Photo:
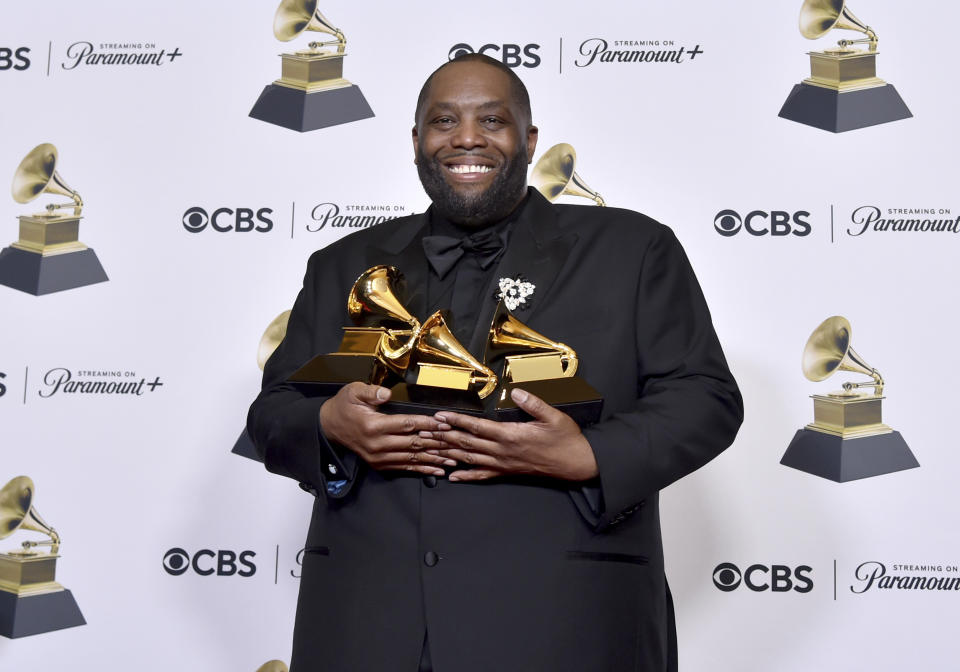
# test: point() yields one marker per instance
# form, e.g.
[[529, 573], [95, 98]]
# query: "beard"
[[475, 209]]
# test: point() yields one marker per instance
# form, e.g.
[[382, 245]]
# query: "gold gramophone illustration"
[[441, 373], [843, 91], [270, 341], [554, 175], [378, 345], [48, 256], [541, 366], [273, 666], [847, 439], [31, 600], [311, 92]]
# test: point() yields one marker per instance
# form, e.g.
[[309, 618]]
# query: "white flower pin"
[[516, 292]]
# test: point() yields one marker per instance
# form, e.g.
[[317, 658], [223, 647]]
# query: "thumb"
[[534, 405], [373, 395]]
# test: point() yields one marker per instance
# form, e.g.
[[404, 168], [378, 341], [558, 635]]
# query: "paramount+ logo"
[[776, 223], [761, 578], [207, 562], [223, 220], [511, 55]]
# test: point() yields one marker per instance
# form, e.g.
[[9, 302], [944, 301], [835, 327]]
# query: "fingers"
[[464, 476], [481, 427], [405, 424]]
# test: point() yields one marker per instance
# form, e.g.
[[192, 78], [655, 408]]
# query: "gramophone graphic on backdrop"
[[555, 175], [847, 439], [843, 91], [31, 601], [311, 92], [47, 257], [269, 342]]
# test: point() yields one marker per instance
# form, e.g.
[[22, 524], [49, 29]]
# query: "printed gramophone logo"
[[843, 91], [48, 255], [31, 600], [847, 439], [64, 382], [312, 92]]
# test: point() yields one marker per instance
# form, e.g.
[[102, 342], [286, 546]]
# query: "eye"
[[492, 121], [443, 121]]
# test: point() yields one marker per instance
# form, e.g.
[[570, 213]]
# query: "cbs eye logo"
[[761, 223], [3, 388], [760, 578], [240, 220], [205, 562], [509, 54]]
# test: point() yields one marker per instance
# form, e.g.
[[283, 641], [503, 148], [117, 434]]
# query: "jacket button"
[[430, 558], [430, 481]]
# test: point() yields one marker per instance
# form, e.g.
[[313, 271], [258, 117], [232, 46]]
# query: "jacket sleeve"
[[688, 406], [283, 422]]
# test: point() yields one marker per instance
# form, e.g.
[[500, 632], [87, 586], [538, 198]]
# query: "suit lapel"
[[404, 250], [537, 251]]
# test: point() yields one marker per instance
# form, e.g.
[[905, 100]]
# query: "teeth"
[[470, 169]]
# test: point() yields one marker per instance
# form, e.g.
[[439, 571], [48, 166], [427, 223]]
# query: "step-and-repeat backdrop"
[[128, 337]]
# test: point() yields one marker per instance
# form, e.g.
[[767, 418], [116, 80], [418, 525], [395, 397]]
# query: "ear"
[[532, 134], [415, 138]]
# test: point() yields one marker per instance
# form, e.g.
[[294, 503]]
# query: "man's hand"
[[549, 445], [383, 441]]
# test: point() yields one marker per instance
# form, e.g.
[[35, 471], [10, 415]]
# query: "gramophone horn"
[[436, 344], [297, 16], [554, 175], [509, 336], [819, 17], [272, 337], [273, 666], [37, 174], [828, 350], [373, 302], [17, 511]]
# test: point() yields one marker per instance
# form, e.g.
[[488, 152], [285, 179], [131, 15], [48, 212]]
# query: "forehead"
[[469, 83]]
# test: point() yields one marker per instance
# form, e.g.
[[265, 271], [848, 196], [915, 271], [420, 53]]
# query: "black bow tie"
[[443, 252]]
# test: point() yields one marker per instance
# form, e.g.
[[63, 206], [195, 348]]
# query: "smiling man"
[[459, 544]]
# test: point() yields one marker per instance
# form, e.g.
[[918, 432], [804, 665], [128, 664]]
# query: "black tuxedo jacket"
[[514, 574]]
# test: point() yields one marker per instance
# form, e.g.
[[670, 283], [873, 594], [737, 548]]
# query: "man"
[[460, 544]]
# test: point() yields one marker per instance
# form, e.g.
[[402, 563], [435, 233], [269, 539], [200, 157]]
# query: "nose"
[[468, 135]]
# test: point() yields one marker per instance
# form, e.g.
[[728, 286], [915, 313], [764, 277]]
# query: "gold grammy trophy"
[[554, 175], [843, 91], [311, 92], [847, 439], [31, 601], [543, 367], [270, 341], [377, 348], [47, 257], [441, 374]]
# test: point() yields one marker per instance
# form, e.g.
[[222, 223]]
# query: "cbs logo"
[[14, 58], [3, 388], [510, 54], [205, 562], [759, 578], [759, 223], [240, 220]]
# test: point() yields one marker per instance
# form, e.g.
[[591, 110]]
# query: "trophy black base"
[[839, 111], [36, 274], [574, 396], [244, 447], [301, 111], [324, 375], [426, 400], [24, 615], [842, 460]]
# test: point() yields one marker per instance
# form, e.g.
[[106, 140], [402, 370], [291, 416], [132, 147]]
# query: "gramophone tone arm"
[[77, 205], [341, 42], [53, 543], [876, 383], [396, 353], [871, 38]]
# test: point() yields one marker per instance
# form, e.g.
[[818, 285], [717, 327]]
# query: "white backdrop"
[[125, 479]]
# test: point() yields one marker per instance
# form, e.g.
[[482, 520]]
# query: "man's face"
[[472, 144]]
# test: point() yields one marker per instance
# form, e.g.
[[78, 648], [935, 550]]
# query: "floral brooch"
[[515, 292]]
